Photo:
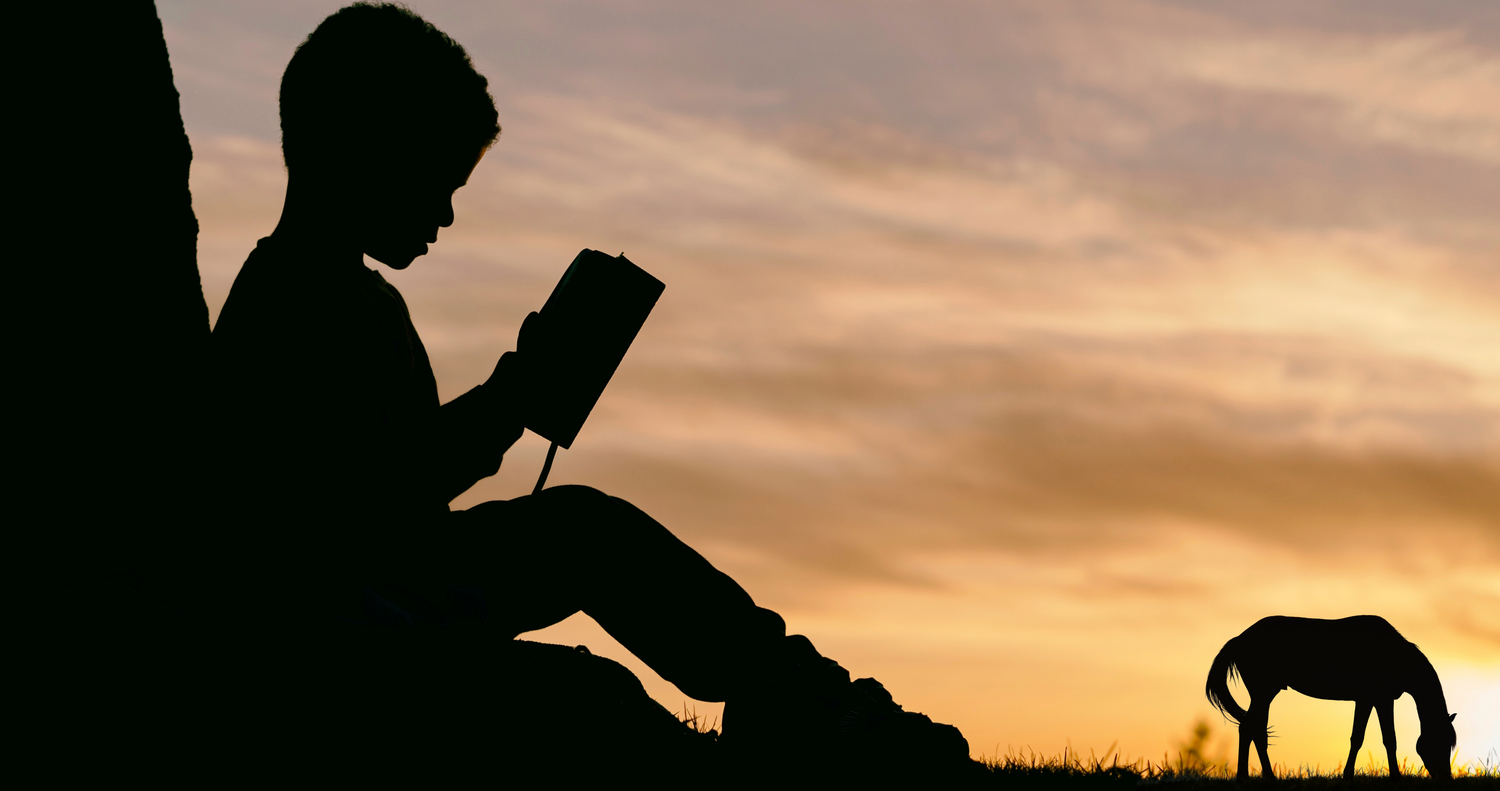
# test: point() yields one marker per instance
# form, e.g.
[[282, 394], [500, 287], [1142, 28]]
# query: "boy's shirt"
[[331, 434]]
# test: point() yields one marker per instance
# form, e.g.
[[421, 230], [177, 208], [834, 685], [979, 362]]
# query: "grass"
[[1070, 770], [1190, 771], [700, 724]]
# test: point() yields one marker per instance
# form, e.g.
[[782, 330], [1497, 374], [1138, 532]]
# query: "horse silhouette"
[[1363, 659]]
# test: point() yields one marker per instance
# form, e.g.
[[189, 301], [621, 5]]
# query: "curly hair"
[[377, 75]]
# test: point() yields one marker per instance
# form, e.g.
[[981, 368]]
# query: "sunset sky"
[[1019, 353]]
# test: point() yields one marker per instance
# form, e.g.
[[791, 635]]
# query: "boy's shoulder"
[[282, 285]]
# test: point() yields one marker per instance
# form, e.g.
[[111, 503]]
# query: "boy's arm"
[[477, 428]]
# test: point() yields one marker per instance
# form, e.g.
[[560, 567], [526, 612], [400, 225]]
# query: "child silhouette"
[[338, 461]]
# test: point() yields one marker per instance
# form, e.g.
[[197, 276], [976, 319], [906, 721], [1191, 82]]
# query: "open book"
[[588, 323]]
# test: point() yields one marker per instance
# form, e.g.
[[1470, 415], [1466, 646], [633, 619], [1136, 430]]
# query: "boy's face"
[[402, 203]]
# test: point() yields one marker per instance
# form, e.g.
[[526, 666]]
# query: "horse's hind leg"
[[1386, 711], [1262, 741], [1256, 720], [1243, 772], [1357, 738]]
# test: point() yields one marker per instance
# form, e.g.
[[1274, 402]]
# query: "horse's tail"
[[1217, 688]]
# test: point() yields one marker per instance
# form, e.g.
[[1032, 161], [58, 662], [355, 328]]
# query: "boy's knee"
[[594, 516], [584, 508], [574, 497]]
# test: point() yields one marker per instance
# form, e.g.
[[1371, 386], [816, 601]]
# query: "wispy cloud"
[[1431, 91]]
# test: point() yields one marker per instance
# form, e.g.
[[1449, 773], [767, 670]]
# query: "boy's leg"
[[571, 548], [544, 557]]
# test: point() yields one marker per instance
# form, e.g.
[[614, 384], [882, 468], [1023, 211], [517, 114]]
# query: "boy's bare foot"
[[814, 714]]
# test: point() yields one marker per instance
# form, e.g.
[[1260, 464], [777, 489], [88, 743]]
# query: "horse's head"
[[1435, 745]]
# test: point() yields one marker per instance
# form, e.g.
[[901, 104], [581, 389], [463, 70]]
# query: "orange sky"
[[1020, 354]]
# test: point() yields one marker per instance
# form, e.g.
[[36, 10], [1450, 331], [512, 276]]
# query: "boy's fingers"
[[506, 364], [528, 329], [512, 371]]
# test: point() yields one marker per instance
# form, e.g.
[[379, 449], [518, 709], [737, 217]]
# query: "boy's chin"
[[397, 258]]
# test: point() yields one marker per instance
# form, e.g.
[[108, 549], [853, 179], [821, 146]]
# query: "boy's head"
[[386, 114]]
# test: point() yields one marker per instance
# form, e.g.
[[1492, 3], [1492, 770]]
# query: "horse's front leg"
[[1386, 711], [1357, 738]]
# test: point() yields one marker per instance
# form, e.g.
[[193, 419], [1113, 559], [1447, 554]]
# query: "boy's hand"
[[529, 338], [507, 386], [510, 383]]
